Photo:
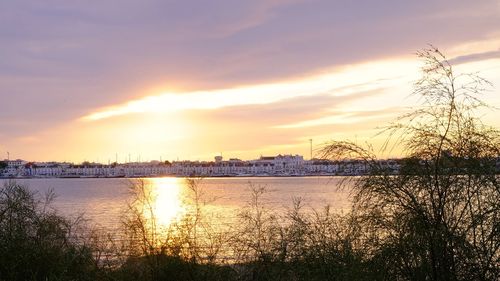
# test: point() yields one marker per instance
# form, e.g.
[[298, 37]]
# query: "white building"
[[15, 168]]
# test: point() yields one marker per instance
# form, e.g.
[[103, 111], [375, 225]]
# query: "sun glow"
[[170, 125], [363, 77]]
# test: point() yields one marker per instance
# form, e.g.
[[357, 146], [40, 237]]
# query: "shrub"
[[36, 243]]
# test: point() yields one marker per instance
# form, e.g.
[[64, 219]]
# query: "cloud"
[[254, 127], [475, 57], [294, 109], [341, 117], [62, 60], [256, 14], [340, 83]]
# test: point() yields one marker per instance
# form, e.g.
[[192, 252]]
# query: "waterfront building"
[[279, 165]]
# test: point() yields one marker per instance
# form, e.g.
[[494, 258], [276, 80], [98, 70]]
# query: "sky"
[[142, 80]]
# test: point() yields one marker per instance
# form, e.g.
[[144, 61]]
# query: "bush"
[[36, 243]]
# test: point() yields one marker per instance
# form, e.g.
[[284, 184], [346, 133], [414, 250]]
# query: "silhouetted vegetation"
[[38, 244], [437, 218], [260, 245]]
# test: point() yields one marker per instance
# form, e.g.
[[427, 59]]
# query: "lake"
[[104, 200]]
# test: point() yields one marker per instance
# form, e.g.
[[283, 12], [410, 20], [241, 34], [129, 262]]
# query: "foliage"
[[36, 243], [438, 218]]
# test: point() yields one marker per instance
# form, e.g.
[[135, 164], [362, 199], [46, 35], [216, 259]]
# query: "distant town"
[[280, 165], [265, 166]]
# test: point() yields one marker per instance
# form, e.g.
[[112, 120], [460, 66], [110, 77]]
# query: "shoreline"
[[180, 176]]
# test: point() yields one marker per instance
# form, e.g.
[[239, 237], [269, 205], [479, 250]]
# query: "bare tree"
[[438, 218]]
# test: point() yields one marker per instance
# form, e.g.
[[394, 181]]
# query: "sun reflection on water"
[[177, 215], [167, 201], [168, 204]]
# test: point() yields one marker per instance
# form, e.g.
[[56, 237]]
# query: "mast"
[[311, 148]]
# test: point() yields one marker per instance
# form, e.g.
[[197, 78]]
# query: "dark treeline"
[[426, 222]]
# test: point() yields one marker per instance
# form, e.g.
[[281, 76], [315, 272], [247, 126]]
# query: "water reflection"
[[106, 202], [181, 217], [169, 200], [163, 200]]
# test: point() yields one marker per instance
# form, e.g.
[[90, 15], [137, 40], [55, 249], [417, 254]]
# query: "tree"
[[439, 217]]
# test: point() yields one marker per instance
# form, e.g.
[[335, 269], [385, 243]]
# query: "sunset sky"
[[89, 80]]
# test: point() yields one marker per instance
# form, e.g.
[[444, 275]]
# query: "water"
[[104, 201]]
